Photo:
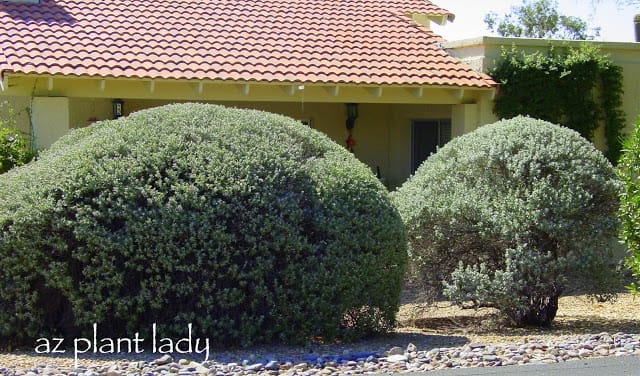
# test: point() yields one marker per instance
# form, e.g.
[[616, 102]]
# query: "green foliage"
[[611, 91], [507, 215], [577, 88], [539, 19], [629, 213], [15, 149], [246, 224]]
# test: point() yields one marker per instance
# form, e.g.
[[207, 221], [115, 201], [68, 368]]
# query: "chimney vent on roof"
[[637, 22]]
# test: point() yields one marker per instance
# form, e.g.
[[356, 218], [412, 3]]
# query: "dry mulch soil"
[[439, 325], [577, 315]]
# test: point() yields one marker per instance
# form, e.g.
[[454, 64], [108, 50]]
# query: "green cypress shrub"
[[504, 216], [247, 224], [629, 213]]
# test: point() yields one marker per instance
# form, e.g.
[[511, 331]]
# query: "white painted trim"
[[334, 91], [245, 89], [376, 91], [152, 86], [417, 92], [290, 89], [440, 19], [458, 94], [198, 87]]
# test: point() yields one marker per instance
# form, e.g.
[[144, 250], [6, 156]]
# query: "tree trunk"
[[540, 312]]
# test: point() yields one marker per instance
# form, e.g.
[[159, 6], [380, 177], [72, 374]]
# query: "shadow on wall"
[[42, 11]]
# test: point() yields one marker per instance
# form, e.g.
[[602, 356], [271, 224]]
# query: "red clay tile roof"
[[368, 42]]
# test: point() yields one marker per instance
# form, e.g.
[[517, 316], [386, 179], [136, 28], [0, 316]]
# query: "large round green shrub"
[[629, 213], [249, 225], [502, 216]]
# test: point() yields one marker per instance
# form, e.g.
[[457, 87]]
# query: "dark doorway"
[[427, 136]]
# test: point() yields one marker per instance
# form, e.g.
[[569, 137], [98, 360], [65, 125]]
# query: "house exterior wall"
[[88, 110], [483, 53], [15, 111], [382, 131]]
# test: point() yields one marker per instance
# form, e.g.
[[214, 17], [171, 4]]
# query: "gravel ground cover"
[[438, 337]]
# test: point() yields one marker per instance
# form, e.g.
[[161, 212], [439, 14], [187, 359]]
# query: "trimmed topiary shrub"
[[504, 216], [629, 213], [247, 224]]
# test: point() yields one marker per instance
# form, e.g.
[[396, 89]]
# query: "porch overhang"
[[217, 90]]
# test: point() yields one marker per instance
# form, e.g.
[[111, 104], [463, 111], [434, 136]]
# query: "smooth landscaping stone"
[[165, 359], [397, 358], [395, 351], [343, 363]]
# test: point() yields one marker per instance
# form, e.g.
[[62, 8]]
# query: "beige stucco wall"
[[85, 110], [53, 115], [16, 112], [483, 52], [382, 131]]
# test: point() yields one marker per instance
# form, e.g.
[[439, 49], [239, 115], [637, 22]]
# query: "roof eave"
[[425, 19], [488, 82]]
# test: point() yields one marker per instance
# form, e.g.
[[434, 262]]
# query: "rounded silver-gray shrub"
[[506, 215], [249, 225]]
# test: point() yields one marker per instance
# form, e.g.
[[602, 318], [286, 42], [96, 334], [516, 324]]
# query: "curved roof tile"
[[372, 42]]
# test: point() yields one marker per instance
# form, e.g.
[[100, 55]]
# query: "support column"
[[464, 119], [50, 120]]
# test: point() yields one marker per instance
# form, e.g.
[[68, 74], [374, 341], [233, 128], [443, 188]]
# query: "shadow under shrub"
[[506, 215], [247, 224]]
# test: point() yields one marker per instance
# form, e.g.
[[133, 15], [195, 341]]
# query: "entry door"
[[427, 136]]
